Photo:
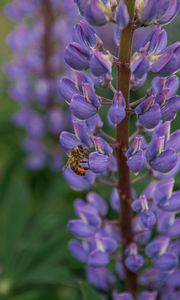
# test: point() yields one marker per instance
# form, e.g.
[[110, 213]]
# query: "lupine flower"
[[142, 240], [34, 73]]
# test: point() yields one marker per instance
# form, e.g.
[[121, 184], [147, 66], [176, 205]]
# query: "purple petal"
[[98, 259], [77, 250], [97, 201], [68, 140], [67, 89], [100, 64], [81, 108], [157, 246], [81, 229], [98, 163], [165, 162], [166, 262], [137, 162], [148, 218], [163, 190], [148, 295], [78, 182], [77, 57]]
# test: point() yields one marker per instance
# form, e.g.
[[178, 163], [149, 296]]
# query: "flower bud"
[[122, 15], [133, 260], [117, 112], [136, 155]]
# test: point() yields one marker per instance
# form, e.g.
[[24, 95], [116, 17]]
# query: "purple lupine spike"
[[166, 262], [117, 112], [77, 57], [122, 15], [156, 223]]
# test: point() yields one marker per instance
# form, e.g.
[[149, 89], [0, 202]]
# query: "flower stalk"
[[122, 138]]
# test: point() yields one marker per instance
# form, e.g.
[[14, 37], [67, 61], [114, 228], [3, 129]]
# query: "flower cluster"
[[37, 43], [144, 238]]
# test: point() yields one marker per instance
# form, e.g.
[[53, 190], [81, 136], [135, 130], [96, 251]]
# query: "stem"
[[47, 44], [122, 137]]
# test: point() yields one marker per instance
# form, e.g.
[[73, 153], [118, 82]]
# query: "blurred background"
[[35, 200]]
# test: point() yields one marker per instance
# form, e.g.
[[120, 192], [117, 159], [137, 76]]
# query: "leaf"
[[13, 220], [88, 292]]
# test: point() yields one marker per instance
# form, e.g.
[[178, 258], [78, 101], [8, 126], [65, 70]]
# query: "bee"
[[76, 157]]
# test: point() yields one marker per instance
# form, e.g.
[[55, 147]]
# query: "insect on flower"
[[77, 156]]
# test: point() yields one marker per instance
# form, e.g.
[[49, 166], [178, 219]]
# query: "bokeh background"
[[34, 209]]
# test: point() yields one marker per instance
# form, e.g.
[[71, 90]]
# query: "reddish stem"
[[122, 138]]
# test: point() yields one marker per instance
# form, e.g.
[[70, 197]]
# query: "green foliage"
[[87, 292]]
